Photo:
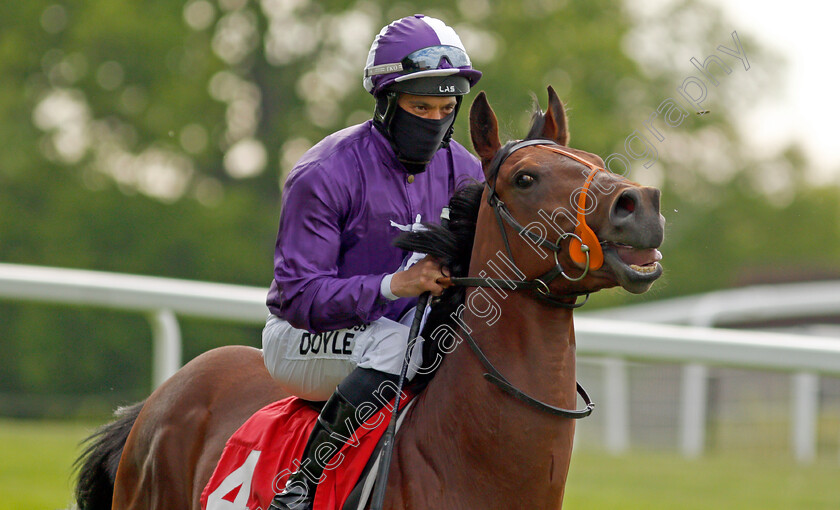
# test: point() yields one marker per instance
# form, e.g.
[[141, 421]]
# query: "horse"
[[493, 427]]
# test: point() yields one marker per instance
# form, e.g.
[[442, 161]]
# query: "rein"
[[579, 251], [496, 377]]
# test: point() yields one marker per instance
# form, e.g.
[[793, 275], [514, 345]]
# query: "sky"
[[807, 33]]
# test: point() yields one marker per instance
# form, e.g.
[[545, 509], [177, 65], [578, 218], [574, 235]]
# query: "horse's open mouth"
[[635, 268]]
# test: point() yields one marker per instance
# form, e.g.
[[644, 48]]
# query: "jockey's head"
[[418, 71]]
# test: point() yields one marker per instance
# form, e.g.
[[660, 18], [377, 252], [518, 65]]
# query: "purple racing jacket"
[[341, 207]]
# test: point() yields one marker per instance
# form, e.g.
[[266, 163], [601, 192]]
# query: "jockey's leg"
[[361, 395], [377, 354]]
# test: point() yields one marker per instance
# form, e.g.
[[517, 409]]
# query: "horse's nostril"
[[624, 206]]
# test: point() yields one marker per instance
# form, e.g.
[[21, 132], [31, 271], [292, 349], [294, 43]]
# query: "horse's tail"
[[98, 463]]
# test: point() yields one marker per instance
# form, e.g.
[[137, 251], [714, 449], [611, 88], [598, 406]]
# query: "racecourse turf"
[[36, 463], [36, 473]]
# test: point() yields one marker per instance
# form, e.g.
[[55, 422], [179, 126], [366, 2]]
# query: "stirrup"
[[294, 497]]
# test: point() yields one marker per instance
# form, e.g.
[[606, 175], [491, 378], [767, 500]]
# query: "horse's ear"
[[484, 129], [556, 127]]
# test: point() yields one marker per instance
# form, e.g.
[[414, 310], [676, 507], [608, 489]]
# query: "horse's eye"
[[525, 181]]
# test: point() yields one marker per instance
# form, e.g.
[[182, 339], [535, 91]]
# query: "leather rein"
[[584, 248]]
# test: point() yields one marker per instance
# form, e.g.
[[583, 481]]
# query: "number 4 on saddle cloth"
[[260, 456]]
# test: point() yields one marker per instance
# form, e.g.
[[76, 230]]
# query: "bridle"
[[584, 248]]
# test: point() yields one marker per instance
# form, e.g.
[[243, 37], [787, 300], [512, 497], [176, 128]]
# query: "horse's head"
[[566, 223]]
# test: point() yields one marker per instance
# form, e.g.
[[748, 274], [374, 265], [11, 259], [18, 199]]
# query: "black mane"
[[452, 245], [537, 121]]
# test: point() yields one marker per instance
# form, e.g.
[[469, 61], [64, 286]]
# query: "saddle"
[[259, 457]]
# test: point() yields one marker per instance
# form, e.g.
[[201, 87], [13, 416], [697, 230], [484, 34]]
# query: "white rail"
[[748, 304], [752, 349], [162, 299], [754, 304], [133, 292]]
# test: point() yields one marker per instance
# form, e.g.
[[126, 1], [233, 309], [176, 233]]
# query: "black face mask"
[[416, 140]]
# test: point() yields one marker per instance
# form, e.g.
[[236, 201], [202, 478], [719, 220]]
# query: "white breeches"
[[310, 365]]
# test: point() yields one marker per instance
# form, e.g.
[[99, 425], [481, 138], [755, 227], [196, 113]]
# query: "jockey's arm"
[[308, 246], [306, 263]]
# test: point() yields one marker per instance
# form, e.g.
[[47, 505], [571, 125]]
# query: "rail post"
[[166, 350]]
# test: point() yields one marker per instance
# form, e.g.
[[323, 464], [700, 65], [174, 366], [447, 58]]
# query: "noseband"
[[584, 247]]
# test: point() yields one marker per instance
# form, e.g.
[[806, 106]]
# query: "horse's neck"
[[481, 447]]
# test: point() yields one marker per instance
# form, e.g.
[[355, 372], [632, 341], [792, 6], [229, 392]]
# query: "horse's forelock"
[[534, 133], [537, 122]]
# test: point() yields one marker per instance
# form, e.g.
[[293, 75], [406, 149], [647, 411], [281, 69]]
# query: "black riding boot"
[[335, 425]]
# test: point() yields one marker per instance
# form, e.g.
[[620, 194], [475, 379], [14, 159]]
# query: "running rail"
[[163, 299]]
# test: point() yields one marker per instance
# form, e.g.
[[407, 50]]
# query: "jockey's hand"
[[426, 275]]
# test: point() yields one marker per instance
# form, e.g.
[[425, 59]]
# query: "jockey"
[[342, 295]]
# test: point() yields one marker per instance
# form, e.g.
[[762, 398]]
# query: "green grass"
[[665, 481], [36, 473], [36, 463]]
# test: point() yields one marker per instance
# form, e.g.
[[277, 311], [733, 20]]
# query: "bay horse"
[[546, 228]]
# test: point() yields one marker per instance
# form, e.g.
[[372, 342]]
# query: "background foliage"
[[153, 137]]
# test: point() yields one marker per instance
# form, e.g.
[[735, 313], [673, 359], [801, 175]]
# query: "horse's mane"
[[452, 245]]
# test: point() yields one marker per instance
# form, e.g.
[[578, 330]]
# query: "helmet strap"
[[383, 117], [448, 136], [383, 114]]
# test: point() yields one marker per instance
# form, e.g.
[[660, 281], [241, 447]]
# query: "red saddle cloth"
[[258, 458]]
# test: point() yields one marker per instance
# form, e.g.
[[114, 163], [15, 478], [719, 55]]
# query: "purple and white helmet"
[[418, 47]]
